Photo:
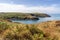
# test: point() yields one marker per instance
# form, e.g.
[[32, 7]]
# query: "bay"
[[53, 17]]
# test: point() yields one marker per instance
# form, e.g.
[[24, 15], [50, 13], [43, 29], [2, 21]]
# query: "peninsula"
[[23, 16]]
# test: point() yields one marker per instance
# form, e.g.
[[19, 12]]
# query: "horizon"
[[30, 6]]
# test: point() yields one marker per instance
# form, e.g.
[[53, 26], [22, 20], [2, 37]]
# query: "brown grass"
[[42, 31]]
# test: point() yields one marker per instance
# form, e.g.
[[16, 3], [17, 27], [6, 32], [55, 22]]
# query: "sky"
[[40, 6]]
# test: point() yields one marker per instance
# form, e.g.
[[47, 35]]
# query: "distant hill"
[[22, 16]]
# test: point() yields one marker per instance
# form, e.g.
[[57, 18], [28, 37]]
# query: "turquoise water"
[[53, 17]]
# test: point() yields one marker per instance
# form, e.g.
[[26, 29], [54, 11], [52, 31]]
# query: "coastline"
[[49, 30]]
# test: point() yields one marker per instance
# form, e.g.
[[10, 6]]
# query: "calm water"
[[53, 17]]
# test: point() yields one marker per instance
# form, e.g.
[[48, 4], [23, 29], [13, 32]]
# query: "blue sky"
[[46, 6], [32, 2]]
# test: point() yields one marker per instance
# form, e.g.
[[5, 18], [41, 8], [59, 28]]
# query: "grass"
[[21, 33], [15, 31]]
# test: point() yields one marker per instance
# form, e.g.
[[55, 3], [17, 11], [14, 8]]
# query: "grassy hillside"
[[42, 31]]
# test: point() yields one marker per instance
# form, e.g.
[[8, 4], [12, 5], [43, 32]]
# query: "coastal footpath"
[[49, 30]]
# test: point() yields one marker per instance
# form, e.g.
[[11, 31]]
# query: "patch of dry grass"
[[41, 31]]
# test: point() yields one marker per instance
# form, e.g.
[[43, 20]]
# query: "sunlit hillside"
[[42, 31]]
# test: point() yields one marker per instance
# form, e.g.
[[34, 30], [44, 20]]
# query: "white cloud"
[[23, 8]]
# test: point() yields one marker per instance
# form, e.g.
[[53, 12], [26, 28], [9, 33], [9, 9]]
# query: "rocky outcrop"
[[25, 18]]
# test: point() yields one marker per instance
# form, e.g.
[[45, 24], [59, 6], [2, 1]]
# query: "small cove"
[[53, 17]]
